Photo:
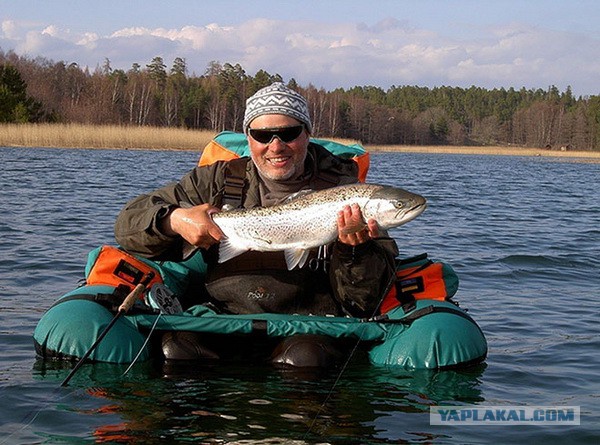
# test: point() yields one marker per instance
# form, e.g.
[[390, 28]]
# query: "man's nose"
[[276, 144]]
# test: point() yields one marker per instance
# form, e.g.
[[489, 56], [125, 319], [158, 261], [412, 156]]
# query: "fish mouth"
[[415, 210]]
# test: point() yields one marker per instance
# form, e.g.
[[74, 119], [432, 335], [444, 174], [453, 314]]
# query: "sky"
[[326, 43]]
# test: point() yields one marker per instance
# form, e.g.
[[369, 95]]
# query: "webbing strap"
[[407, 299], [419, 313], [109, 301], [235, 179]]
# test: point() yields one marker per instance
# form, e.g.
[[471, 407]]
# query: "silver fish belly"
[[310, 220]]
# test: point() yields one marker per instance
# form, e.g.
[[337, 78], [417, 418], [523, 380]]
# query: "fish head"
[[392, 206]]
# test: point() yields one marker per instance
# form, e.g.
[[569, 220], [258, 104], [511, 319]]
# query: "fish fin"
[[295, 257], [228, 251], [297, 195]]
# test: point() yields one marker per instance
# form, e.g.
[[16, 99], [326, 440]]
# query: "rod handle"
[[130, 299]]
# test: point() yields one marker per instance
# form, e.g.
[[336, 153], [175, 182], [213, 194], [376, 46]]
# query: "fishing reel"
[[161, 298]]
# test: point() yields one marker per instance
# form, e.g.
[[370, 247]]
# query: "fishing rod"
[[387, 289], [161, 299], [123, 308]]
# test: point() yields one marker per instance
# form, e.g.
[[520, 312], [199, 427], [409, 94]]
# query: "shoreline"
[[591, 156], [114, 137], [582, 156], [487, 151]]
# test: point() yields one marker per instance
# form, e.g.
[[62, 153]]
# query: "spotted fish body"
[[310, 220]]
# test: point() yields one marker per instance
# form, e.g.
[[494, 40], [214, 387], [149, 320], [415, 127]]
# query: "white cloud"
[[334, 55], [51, 30], [9, 29]]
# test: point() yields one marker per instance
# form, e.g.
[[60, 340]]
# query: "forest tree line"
[[40, 90]]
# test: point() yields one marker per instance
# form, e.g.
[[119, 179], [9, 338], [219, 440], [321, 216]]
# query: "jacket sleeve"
[[360, 275], [137, 228]]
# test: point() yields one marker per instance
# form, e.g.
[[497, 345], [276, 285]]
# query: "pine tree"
[[15, 105]]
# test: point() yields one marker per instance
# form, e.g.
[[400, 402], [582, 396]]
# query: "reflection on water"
[[162, 402]]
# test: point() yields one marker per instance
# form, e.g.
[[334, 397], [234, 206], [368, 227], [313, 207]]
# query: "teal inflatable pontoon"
[[435, 334]]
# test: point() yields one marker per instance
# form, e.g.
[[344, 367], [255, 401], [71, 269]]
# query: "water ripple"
[[522, 233]]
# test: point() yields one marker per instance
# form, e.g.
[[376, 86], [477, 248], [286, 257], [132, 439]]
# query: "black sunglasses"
[[285, 134]]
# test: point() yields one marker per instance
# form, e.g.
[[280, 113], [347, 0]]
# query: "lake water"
[[522, 233]]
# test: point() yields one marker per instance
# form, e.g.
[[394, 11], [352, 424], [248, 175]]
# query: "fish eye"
[[398, 204]]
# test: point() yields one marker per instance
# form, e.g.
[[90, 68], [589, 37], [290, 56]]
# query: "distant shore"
[[132, 138], [487, 150]]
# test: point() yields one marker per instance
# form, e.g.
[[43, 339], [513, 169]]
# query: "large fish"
[[309, 220]]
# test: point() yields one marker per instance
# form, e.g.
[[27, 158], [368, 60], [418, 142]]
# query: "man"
[[283, 161]]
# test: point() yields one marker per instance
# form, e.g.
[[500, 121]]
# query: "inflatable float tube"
[[433, 335]]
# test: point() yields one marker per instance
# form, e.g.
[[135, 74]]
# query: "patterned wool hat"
[[277, 99]]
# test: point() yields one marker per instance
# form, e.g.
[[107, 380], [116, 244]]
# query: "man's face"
[[276, 159]]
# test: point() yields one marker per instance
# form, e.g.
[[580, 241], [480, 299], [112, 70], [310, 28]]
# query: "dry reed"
[[102, 136], [483, 150]]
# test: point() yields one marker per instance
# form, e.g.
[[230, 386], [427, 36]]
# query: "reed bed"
[[483, 150], [102, 136], [161, 138]]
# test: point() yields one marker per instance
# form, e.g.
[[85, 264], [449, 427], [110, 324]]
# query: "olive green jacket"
[[357, 276]]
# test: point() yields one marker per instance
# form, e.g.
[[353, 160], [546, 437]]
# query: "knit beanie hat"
[[277, 99]]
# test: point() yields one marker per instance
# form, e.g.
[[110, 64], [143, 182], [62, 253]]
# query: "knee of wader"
[[307, 351], [184, 345]]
